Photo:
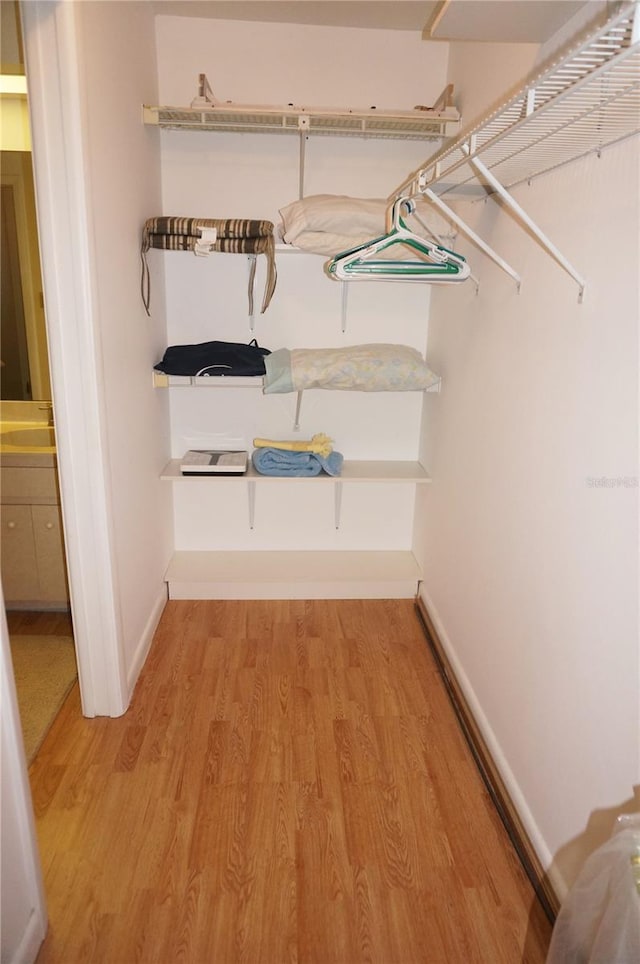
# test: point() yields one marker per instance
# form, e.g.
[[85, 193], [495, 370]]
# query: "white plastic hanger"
[[366, 262]]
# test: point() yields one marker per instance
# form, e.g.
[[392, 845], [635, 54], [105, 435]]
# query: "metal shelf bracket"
[[251, 497], [522, 215], [471, 234], [337, 502], [296, 421]]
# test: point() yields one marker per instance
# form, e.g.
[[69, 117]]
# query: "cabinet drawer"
[[29, 485]]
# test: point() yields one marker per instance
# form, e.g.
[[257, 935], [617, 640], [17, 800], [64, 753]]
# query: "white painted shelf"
[[160, 380], [303, 574], [352, 471], [411, 473]]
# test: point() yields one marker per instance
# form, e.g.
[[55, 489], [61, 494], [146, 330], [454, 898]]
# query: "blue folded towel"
[[269, 461]]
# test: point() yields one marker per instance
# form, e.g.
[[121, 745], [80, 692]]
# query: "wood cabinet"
[[19, 566], [34, 571]]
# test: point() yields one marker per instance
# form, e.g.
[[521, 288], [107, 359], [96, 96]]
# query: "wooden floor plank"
[[290, 784]]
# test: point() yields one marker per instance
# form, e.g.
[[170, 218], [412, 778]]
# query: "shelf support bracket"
[[337, 502], [343, 305], [511, 203], [251, 496], [304, 125], [464, 227], [296, 421]]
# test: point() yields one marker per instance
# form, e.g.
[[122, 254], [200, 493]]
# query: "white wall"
[[118, 65], [529, 533], [484, 73], [273, 63], [231, 175]]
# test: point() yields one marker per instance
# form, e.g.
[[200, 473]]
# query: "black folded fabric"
[[234, 235], [214, 358]]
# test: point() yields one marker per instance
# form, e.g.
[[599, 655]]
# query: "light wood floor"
[[289, 784]]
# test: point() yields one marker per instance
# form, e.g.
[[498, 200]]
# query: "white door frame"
[[24, 911], [62, 183]]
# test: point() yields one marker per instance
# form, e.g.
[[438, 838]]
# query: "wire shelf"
[[407, 125], [582, 103]]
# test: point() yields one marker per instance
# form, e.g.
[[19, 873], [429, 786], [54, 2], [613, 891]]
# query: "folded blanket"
[[332, 223], [233, 235], [269, 461], [320, 444]]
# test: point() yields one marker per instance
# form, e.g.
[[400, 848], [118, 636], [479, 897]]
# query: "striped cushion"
[[233, 236]]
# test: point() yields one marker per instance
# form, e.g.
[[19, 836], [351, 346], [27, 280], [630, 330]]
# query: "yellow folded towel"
[[320, 444]]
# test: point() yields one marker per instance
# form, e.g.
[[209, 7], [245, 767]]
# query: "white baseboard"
[[294, 590], [29, 947], [293, 574], [142, 649], [516, 797]]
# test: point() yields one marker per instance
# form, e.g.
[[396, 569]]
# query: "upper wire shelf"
[[208, 114], [582, 103]]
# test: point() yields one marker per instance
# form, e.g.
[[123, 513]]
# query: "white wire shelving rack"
[[585, 101], [403, 125], [208, 114]]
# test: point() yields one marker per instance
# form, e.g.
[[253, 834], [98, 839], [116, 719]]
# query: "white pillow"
[[361, 368]]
